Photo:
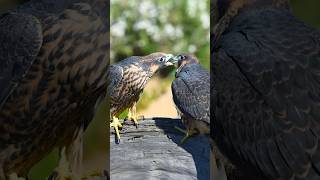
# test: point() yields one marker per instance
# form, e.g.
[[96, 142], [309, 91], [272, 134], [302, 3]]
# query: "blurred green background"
[[140, 27]]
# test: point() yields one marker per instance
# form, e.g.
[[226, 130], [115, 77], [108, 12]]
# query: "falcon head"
[[184, 59], [156, 61]]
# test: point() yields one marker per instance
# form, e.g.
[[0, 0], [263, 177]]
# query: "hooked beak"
[[169, 60], [175, 59]]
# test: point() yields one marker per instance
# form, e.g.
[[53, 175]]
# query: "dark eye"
[[181, 57], [161, 59]]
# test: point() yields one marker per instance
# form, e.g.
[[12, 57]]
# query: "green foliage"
[[146, 26]]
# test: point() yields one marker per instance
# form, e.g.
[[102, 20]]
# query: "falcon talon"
[[180, 129], [132, 114], [117, 141], [185, 132], [116, 124], [185, 138]]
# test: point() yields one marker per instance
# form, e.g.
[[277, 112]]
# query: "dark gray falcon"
[[127, 80], [266, 70], [53, 68], [191, 95]]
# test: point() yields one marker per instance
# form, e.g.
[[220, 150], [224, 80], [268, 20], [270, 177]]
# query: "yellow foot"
[[116, 124], [186, 137], [133, 117]]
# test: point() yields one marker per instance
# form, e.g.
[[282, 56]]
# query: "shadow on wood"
[[153, 151]]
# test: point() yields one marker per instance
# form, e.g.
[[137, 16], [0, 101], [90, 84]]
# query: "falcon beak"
[[176, 59], [169, 60]]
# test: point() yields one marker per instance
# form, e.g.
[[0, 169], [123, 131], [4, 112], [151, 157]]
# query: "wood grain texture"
[[153, 151]]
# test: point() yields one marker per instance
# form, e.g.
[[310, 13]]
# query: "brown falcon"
[[127, 80], [266, 72], [53, 64], [191, 94]]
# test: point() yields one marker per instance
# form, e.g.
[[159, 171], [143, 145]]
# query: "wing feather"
[[268, 82], [21, 37], [115, 74], [191, 92]]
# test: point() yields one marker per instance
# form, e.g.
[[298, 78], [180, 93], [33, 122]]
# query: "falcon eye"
[[161, 59], [181, 57]]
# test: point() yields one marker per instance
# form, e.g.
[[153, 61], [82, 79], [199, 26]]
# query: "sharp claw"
[[180, 130], [186, 137], [116, 124], [133, 118], [135, 121]]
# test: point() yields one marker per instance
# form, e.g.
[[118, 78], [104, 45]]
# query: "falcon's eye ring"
[[181, 57]]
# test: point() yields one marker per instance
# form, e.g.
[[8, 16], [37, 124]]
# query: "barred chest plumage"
[[52, 102], [130, 88]]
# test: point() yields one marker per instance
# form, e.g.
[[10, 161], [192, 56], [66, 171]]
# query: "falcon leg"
[[132, 114], [116, 124], [62, 172], [187, 134]]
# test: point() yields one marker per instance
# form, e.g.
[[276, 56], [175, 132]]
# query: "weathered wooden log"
[[153, 151]]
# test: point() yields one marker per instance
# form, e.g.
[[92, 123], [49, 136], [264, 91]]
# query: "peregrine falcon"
[[191, 95], [266, 71], [53, 71], [127, 80]]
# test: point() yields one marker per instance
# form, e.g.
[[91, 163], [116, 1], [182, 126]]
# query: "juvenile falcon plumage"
[[53, 68], [266, 66], [191, 94], [127, 80]]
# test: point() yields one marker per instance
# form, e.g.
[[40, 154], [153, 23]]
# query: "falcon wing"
[[191, 92], [115, 74], [273, 119], [21, 40]]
